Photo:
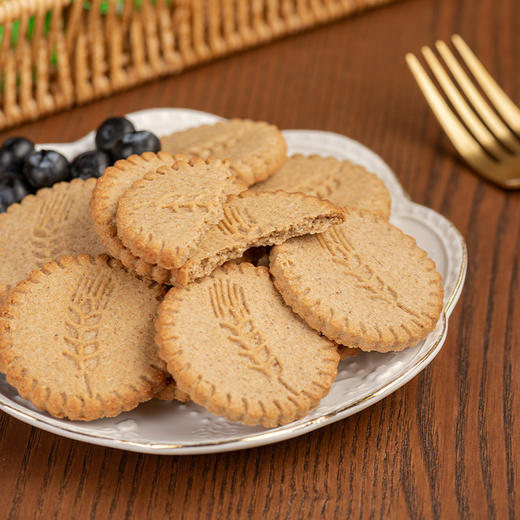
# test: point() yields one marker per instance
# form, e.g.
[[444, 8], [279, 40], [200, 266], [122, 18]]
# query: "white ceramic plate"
[[175, 428]]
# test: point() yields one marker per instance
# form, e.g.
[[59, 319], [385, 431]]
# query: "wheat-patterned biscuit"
[[257, 219], [363, 283], [162, 216], [105, 199], [233, 345], [45, 226], [77, 339], [255, 149], [342, 182]]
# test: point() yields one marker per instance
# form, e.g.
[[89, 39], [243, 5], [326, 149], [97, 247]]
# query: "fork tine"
[[457, 133], [505, 107], [481, 106], [482, 134]]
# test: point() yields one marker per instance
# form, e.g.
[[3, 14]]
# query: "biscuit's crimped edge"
[[75, 407], [255, 167], [218, 403], [13, 209], [184, 274], [42, 192], [317, 315]]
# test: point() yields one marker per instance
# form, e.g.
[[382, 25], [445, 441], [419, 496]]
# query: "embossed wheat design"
[[89, 300], [234, 221], [176, 202], [231, 309], [327, 187], [344, 254], [216, 144], [46, 236]]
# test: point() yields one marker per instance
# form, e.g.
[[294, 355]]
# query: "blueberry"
[[135, 143], [89, 164], [45, 168], [110, 131], [13, 153], [12, 189]]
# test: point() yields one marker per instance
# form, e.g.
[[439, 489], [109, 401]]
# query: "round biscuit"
[[77, 338], [256, 149], [232, 344], [105, 199], [363, 283]]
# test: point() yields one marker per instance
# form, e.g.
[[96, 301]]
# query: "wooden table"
[[447, 444]]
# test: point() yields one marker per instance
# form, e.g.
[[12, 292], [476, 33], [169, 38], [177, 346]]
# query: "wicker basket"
[[58, 53]]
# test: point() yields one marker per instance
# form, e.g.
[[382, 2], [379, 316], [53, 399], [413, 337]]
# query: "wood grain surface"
[[447, 444]]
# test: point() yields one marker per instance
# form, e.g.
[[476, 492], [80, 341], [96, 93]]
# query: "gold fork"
[[493, 148]]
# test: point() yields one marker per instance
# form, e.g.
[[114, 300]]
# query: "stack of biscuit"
[[278, 268]]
